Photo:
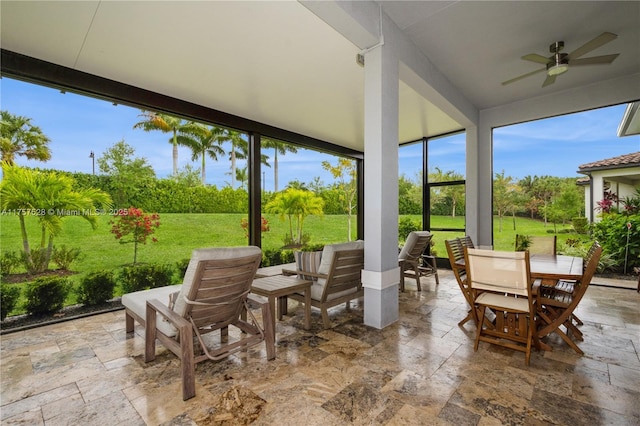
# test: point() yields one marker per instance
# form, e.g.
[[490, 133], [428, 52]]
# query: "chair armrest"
[[167, 313], [255, 301], [306, 273]]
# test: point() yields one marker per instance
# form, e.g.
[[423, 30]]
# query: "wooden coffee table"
[[279, 286]]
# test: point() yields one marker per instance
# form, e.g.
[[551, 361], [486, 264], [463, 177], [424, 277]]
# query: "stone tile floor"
[[421, 370]]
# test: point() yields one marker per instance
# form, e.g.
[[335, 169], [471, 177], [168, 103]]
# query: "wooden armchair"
[[213, 296], [412, 260], [337, 280]]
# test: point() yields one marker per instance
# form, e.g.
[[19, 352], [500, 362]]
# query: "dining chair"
[[556, 305], [501, 281], [214, 295], [536, 244], [455, 252]]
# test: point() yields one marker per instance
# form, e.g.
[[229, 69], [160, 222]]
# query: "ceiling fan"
[[559, 63]]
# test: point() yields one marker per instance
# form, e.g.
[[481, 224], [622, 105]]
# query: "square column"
[[381, 275]]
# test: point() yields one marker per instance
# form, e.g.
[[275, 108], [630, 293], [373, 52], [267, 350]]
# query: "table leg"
[[282, 307], [272, 307], [307, 308]]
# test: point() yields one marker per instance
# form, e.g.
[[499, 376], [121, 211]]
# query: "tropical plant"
[[244, 224], [166, 124], [50, 197], [18, 137], [295, 205], [281, 148], [345, 173], [133, 225], [203, 141]]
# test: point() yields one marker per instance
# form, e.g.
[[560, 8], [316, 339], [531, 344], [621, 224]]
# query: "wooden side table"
[[278, 287]]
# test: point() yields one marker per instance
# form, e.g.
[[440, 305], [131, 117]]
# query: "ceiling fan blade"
[[534, 57], [604, 59], [601, 40], [504, 83], [549, 80]]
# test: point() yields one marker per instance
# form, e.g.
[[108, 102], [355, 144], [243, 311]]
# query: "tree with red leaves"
[[133, 225]]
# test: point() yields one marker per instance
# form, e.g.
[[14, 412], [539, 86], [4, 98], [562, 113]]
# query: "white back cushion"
[[327, 255], [207, 254]]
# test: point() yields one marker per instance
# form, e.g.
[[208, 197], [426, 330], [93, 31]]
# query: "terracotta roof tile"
[[627, 160]]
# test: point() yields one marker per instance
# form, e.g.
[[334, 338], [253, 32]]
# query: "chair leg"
[[466, 319], [129, 322], [479, 328], [269, 332], [188, 362], [325, 318], [417, 273], [402, 279], [150, 335]]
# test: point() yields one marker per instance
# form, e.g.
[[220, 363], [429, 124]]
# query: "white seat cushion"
[[501, 301], [137, 303]]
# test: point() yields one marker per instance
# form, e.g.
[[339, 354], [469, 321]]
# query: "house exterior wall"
[[622, 182]]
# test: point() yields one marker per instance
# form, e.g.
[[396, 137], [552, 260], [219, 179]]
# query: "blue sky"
[[78, 125]]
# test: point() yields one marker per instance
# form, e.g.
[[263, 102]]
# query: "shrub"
[[143, 277], [8, 261], [181, 266], [9, 295], [620, 238], [46, 295], [406, 226], [580, 225], [277, 257], [38, 260], [96, 288], [63, 257]]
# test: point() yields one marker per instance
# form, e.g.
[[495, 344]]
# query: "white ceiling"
[[277, 63]]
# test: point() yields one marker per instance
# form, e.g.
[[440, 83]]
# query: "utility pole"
[[93, 162]]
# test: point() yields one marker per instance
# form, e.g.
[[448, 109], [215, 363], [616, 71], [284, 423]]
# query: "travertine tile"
[[420, 370]]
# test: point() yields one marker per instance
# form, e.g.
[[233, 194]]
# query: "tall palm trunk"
[[25, 240], [175, 152], [275, 170]]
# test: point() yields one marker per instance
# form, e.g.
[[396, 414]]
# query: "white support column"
[[381, 275]]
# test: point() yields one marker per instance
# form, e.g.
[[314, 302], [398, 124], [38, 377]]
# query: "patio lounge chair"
[[337, 279], [213, 296], [412, 260]]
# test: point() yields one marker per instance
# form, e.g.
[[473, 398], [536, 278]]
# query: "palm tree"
[[242, 176], [166, 124], [240, 151], [295, 204], [51, 197], [203, 141], [19, 137], [281, 148]]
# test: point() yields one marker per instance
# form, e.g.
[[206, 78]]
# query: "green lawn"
[[179, 234]]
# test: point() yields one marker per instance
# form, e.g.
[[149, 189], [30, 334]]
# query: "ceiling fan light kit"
[[558, 63]]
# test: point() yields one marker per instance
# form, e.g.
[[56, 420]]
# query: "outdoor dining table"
[[549, 268]]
